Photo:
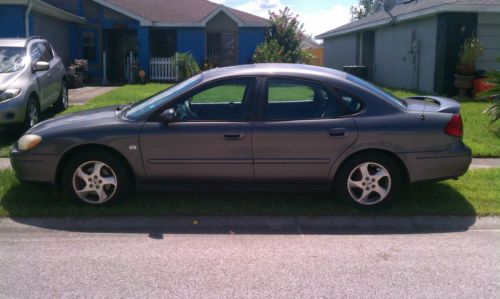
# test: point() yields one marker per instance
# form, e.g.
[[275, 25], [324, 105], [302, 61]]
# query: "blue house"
[[117, 30]]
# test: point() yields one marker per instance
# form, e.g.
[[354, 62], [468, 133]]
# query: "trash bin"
[[360, 71]]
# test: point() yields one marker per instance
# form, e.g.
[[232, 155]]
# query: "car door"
[[209, 140], [302, 131], [43, 78], [55, 73]]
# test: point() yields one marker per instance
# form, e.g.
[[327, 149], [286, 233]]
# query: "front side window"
[[89, 45], [47, 54], [297, 100], [223, 101], [12, 59], [36, 52]]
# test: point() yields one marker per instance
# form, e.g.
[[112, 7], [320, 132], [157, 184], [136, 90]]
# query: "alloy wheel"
[[33, 114], [95, 182], [369, 183]]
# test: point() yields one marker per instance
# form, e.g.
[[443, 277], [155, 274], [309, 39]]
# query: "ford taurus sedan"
[[267, 126]]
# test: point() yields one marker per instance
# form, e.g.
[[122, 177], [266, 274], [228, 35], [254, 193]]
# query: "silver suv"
[[32, 79]]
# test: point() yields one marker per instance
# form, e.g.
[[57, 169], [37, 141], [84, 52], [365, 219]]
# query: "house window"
[[221, 48], [89, 45]]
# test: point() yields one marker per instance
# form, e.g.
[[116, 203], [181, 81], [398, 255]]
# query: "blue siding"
[[249, 39], [12, 21], [143, 41], [192, 40]]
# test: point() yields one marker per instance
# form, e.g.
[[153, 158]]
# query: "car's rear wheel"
[[96, 178], [63, 101], [368, 180], [32, 114]]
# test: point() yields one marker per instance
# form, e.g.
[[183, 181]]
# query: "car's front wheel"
[[368, 181], [96, 178], [63, 100]]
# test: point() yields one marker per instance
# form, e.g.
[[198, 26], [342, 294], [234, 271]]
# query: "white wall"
[[340, 51], [395, 66], [488, 31]]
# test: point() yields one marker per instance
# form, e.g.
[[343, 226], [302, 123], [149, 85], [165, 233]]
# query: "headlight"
[[9, 94], [28, 142]]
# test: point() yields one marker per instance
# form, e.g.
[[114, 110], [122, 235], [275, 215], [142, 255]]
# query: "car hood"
[[80, 120], [6, 79]]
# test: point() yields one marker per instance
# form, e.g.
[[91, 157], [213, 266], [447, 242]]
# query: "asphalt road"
[[38, 262]]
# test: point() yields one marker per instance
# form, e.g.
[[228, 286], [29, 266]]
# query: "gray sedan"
[[258, 127]]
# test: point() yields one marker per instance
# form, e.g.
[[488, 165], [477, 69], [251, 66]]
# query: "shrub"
[[186, 66]]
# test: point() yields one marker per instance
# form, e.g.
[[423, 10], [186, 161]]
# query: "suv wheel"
[[96, 178], [63, 101], [368, 181], [32, 114]]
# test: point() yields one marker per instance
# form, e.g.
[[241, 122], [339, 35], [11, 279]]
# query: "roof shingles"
[[400, 10], [182, 12]]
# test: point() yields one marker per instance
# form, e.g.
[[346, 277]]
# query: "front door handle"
[[337, 132], [234, 136]]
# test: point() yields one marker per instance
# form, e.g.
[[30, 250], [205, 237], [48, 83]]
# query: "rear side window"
[[289, 100], [351, 103]]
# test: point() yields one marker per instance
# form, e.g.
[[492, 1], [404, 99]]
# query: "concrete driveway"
[[80, 96]]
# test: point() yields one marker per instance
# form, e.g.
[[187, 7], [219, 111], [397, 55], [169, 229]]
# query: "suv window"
[[47, 54], [41, 52], [222, 101], [36, 52], [298, 100]]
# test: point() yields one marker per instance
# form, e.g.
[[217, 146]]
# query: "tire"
[[83, 184], [32, 116], [63, 101], [377, 188]]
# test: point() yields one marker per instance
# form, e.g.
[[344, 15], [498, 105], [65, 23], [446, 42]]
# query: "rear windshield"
[[376, 90], [11, 59]]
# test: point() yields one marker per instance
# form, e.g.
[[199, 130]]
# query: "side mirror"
[[41, 66], [168, 116]]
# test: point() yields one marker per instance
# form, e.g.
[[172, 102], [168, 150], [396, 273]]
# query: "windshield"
[[373, 88], [11, 59], [143, 108]]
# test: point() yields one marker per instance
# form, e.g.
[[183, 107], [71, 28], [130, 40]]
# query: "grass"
[[479, 134], [475, 194]]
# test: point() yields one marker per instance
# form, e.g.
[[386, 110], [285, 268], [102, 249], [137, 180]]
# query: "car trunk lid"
[[432, 104]]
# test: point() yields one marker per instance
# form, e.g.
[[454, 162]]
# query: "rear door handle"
[[234, 136], [337, 132]]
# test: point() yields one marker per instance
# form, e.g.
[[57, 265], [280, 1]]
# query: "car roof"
[[282, 69]]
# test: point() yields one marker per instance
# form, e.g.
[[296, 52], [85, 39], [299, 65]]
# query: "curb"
[[256, 224]]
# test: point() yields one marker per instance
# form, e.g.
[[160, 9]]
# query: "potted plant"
[[470, 51]]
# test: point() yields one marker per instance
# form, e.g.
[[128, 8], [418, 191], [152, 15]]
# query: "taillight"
[[455, 126]]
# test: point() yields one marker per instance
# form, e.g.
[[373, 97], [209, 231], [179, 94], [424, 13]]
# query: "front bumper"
[[13, 111], [438, 166], [30, 167]]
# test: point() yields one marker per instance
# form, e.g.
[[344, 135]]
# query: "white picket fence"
[[163, 68]]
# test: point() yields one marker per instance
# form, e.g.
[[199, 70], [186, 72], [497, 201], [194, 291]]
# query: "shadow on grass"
[[426, 199]]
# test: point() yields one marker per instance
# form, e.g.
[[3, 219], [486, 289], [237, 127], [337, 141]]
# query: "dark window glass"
[[47, 52], [225, 101], [221, 48], [36, 52], [296, 100], [89, 45]]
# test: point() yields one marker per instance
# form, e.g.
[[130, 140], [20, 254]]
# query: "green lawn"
[[476, 193]]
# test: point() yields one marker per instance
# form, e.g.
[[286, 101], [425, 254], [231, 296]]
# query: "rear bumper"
[[34, 168], [438, 166]]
